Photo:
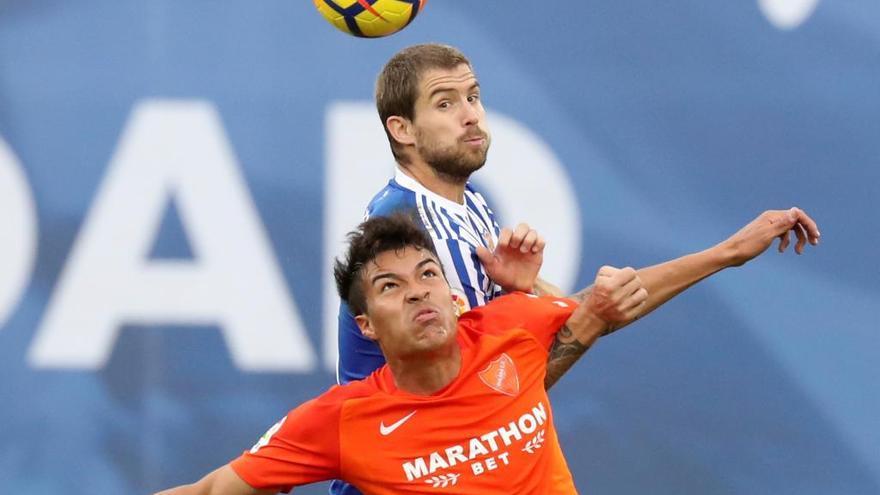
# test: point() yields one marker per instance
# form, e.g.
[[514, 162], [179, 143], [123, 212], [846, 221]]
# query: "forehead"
[[397, 261], [436, 79]]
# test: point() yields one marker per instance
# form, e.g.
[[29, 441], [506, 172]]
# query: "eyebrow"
[[394, 276], [425, 262], [383, 275], [446, 89]]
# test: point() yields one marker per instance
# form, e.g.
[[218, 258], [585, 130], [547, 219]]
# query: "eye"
[[473, 98], [429, 273], [387, 286], [444, 104]]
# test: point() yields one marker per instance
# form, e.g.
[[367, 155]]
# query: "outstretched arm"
[[222, 481], [608, 303], [666, 280]]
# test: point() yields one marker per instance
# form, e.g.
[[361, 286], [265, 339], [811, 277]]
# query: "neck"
[[426, 374], [449, 187]]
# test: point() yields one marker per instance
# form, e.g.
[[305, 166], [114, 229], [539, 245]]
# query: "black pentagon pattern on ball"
[[349, 13]]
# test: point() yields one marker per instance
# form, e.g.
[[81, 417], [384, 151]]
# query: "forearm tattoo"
[[613, 328], [564, 352]]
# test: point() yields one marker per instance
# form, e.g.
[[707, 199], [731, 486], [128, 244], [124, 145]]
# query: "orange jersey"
[[490, 431]]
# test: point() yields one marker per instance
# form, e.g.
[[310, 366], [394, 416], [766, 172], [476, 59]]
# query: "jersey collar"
[[413, 185]]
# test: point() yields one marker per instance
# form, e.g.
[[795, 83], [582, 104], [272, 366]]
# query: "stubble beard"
[[453, 163]]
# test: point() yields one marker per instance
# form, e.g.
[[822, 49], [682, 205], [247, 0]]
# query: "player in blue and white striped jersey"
[[428, 99]]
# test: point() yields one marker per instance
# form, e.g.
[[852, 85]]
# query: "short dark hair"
[[397, 86], [372, 238]]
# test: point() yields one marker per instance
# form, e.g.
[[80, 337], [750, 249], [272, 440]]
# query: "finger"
[[528, 241], [606, 271], [625, 275], [539, 245], [629, 288], [783, 241], [780, 220], [809, 225], [636, 311], [636, 300], [801, 238], [486, 257], [504, 237], [518, 235]]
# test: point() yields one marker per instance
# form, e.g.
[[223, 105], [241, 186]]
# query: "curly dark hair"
[[372, 238]]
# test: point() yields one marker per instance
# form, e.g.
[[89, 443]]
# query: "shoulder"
[[519, 310], [337, 395], [392, 198], [523, 303], [313, 417]]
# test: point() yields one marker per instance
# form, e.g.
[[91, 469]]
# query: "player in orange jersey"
[[460, 405]]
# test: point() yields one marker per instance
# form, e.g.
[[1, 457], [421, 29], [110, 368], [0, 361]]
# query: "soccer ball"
[[369, 18]]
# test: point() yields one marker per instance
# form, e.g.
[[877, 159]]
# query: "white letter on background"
[[173, 150], [18, 232]]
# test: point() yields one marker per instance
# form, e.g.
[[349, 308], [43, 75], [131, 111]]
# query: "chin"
[[435, 332], [434, 336]]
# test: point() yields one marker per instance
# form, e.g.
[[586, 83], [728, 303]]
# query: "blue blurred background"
[[176, 176]]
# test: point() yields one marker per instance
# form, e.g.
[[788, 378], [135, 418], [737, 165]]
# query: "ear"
[[363, 322], [401, 129]]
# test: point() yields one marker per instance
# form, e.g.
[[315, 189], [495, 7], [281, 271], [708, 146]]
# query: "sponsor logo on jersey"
[[481, 452]]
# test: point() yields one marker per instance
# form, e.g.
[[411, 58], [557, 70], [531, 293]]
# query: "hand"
[[757, 236], [517, 258], [617, 297]]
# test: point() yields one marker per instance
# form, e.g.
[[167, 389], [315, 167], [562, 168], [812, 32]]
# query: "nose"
[[418, 295], [470, 115]]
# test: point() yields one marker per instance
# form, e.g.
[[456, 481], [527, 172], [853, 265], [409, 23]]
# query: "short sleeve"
[[542, 316], [302, 448]]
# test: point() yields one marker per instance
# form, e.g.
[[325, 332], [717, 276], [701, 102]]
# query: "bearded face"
[[457, 157], [449, 123]]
